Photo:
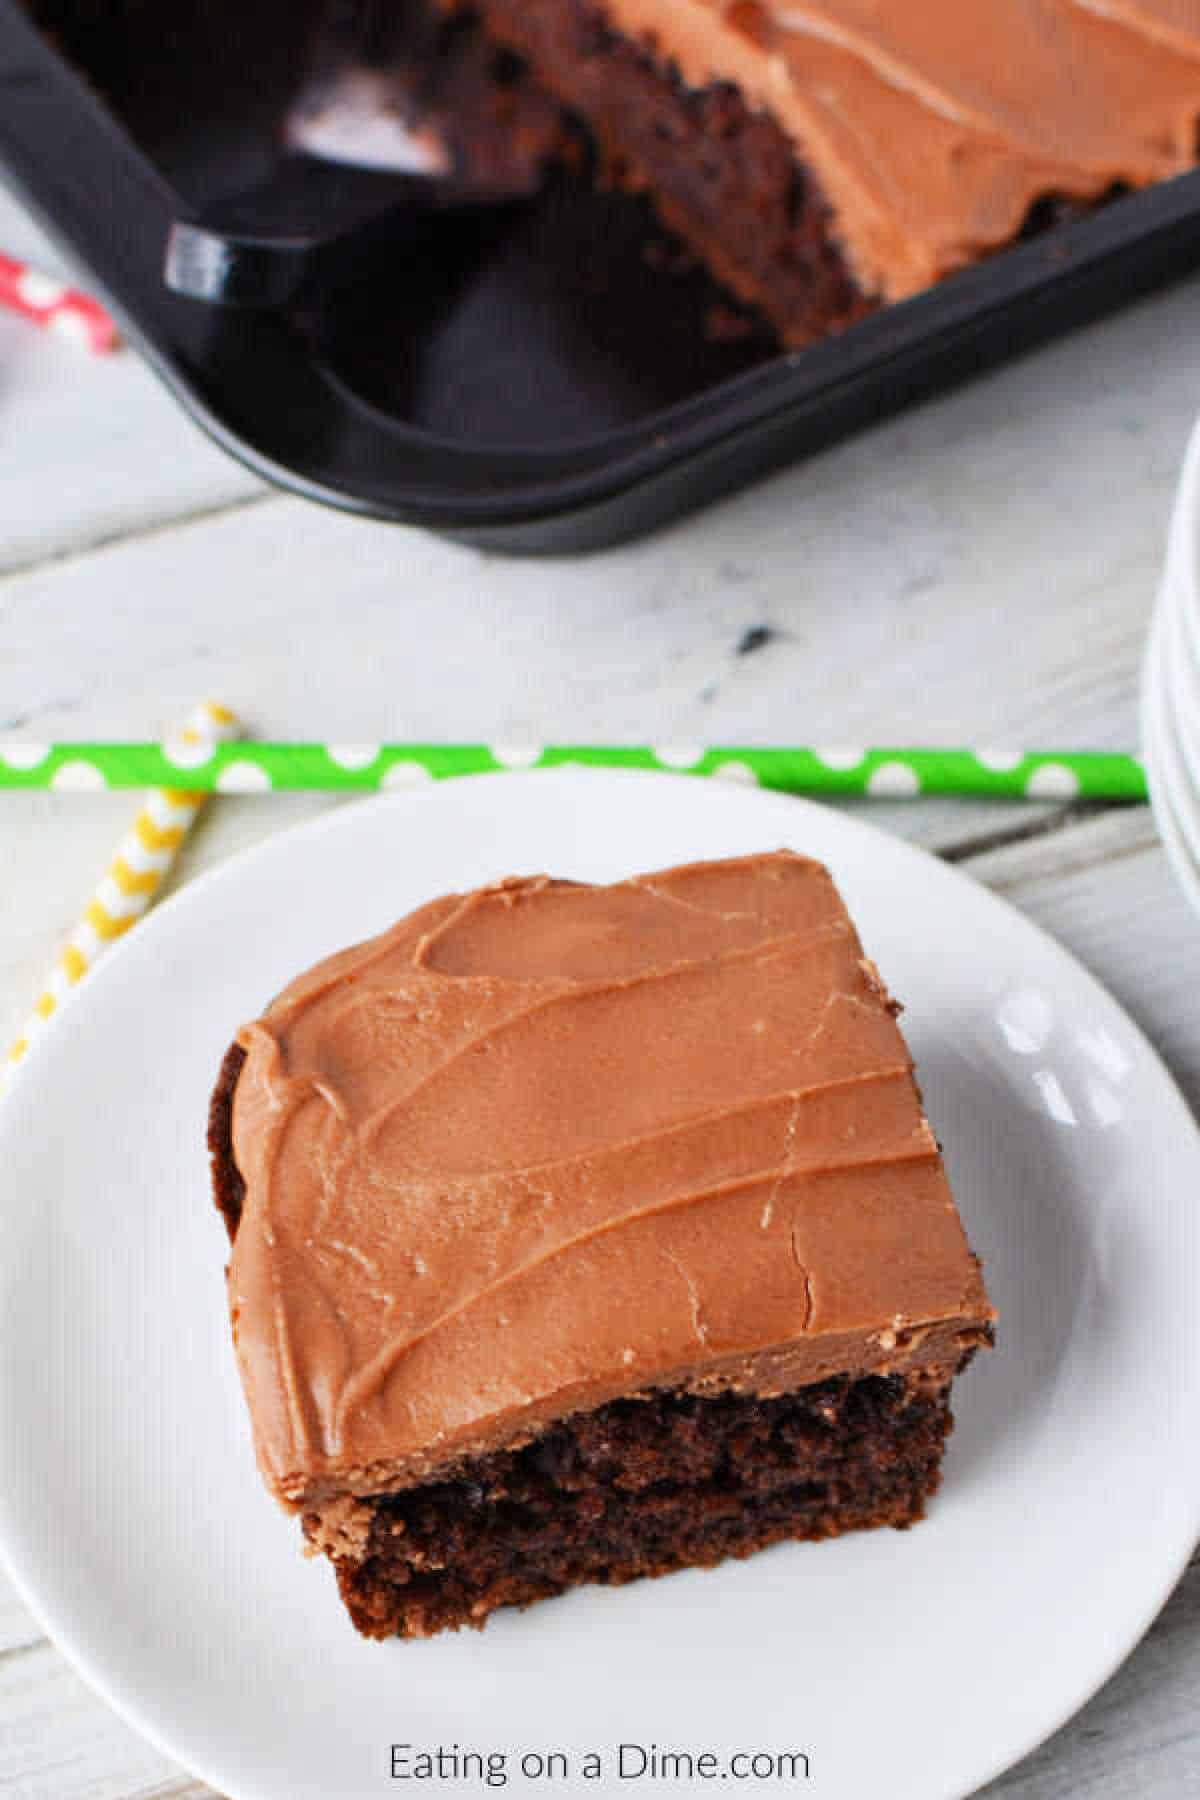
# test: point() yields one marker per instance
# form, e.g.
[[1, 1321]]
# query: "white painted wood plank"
[[20, 236], [19, 1630], [128, 461], [58, 1740], [308, 621], [905, 574], [92, 446]]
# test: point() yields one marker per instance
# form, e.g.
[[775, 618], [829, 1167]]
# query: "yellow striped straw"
[[135, 874]]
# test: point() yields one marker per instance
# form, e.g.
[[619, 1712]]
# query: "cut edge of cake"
[[825, 157]]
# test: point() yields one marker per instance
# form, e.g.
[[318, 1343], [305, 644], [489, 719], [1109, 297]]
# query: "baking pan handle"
[[260, 247]]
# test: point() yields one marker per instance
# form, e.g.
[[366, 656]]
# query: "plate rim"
[[1180, 672], [1164, 770], [60, 1631]]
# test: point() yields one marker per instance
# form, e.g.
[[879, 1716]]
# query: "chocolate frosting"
[[545, 1144], [934, 125]]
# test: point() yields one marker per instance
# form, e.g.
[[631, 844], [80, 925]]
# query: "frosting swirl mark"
[[544, 1143]]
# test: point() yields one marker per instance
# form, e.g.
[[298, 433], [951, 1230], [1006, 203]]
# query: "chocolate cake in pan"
[[821, 158], [587, 1233], [826, 156]]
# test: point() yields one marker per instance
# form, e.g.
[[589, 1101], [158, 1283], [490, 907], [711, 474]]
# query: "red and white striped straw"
[[56, 306]]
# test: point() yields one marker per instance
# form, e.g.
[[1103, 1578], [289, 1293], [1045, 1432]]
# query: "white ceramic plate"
[[1177, 615], [1188, 603], [1182, 575], [914, 1665], [1173, 792], [1180, 673]]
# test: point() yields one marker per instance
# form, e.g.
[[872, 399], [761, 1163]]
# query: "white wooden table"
[[980, 571]]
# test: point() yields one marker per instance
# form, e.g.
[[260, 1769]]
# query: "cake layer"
[[931, 129], [638, 1488], [544, 1145], [703, 155]]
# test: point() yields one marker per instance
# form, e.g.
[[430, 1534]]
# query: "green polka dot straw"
[[252, 768]]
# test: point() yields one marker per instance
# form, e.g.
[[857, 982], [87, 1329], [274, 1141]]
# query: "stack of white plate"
[[1171, 686]]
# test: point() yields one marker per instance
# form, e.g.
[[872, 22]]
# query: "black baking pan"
[[528, 376]]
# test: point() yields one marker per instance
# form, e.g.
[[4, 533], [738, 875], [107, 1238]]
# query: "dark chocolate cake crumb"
[[644, 1487], [703, 155]]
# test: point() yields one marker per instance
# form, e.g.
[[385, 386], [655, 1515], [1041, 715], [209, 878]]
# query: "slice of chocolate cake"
[[582, 1233], [822, 156]]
